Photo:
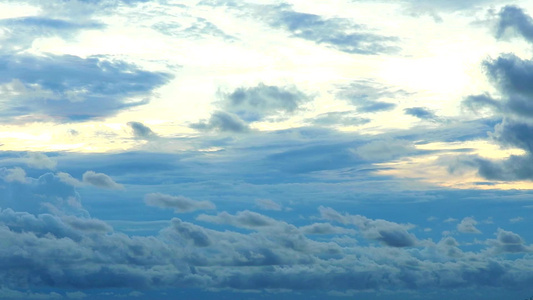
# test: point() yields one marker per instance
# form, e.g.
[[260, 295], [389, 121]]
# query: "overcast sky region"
[[266, 149]]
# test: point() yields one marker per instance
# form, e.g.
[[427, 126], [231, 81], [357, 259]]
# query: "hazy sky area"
[[266, 149]]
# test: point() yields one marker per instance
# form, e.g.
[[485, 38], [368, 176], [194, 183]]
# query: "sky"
[[266, 149]]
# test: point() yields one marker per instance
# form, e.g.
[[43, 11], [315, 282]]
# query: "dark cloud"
[[514, 18], [421, 113], [389, 233], [509, 242], [101, 180], [141, 131], [256, 103], [178, 203], [69, 88], [511, 76], [222, 121]]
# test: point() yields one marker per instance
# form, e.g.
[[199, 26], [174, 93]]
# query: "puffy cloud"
[[222, 121], [509, 242], [514, 18], [40, 161], [325, 228], [141, 131], [389, 233], [345, 118], [101, 180], [14, 174], [178, 203], [468, 225], [255, 103]]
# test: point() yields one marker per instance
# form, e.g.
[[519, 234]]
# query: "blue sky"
[[261, 149]]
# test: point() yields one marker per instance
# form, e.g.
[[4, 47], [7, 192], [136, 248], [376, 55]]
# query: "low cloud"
[[100, 180], [180, 204]]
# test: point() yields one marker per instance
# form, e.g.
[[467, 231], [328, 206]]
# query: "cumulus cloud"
[[180, 204], [40, 161], [511, 77], [509, 242], [255, 103], [101, 180], [514, 19], [222, 121], [141, 131], [468, 225], [389, 233], [14, 174]]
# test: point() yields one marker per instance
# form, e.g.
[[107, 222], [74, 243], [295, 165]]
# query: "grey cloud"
[[47, 193], [246, 219], [178, 203], [141, 131], [325, 228], [40, 161], [186, 255], [509, 242], [421, 113], [468, 225], [69, 88], [513, 17], [101, 180], [389, 233], [222, 121], [337, 33], [190, 232], [255, 103]]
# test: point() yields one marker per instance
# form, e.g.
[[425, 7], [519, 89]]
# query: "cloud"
[[247, 105], [366, 95], [141, 131], [509, 242], [100, 180], [421, 113], [66, 88], [324, 228], [224, 122], [14, 174], [180, 204], [268, 204], [345, 118], [256, 103], [337, 33], [384, 149], [514, 18], [468, 225], [388, 233], [40, 161], [244, 219]]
